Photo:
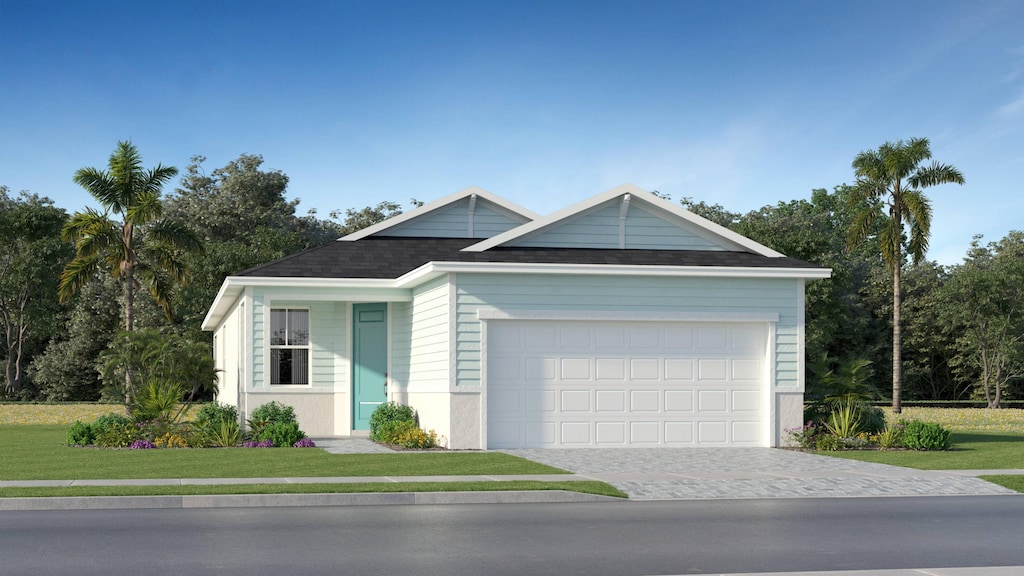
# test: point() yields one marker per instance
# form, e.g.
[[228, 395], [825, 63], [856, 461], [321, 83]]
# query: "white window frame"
[[308, 346]]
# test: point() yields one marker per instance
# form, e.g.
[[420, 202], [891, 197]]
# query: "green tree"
[[141, 249], [890, 183], [31, 256], [985, 313], [355, 220]]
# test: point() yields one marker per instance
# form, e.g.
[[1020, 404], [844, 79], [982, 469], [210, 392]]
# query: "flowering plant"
[[260, 444], [304, 443], [142, 445]]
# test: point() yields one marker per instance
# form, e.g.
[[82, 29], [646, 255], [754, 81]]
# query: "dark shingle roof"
[[391, 257]]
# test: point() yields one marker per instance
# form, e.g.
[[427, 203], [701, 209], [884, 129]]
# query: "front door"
[[369, 361]]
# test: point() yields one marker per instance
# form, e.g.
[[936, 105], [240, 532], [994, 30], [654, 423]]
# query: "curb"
[[279, 500]]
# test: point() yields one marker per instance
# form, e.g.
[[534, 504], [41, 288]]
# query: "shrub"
[[389, 412], [803, 436], [282, 433], [170, 440], [80, 434], [891, 436], [118, 435], [211, 414], [845, 419], [103, 423], [226, 434], [406, 434], [273, 412], [305, 443], [828, 443], [872, 419], [918, 435]]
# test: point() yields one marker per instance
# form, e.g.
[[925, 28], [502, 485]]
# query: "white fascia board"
[[234, 285], [640, 195], [513, 210], [433, 269]]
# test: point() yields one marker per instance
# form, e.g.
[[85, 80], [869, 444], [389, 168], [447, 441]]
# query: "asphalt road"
[[620, 538]]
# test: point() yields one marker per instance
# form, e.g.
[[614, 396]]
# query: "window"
[[289, 346]]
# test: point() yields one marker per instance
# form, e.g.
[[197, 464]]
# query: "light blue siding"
[[426, 339], [602, 228], [511, 293], [453, 222], [644, 230], [598, 228], [328, 344]]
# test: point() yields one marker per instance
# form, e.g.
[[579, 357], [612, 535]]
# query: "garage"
[[563, 384]]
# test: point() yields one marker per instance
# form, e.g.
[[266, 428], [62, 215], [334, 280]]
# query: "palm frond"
[[75, 275], [934, 175], [917, 211]]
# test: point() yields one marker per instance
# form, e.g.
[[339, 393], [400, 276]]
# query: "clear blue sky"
[[742, 103]]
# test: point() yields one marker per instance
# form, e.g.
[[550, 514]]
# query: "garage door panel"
[[583, 383], [611, 369], [575, 433], [644, 400], [575, 401], [644, 368], [541, 401], [644, 433], [610, 433], [712, 401], [611, 401], [575, 369]]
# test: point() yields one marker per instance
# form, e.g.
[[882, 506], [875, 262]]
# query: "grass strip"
[[583, 486], [39, 453], [1011, 481], [971, 451]]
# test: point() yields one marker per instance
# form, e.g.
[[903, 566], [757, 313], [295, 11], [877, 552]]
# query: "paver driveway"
[[699, 473]]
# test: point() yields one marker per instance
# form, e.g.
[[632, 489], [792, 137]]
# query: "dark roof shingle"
[[390, 257]]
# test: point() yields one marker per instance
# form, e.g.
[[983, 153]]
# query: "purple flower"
[[260, 444], [304, 443], [142, 445]]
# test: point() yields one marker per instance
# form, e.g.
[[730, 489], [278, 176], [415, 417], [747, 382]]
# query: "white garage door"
[[625, 384]]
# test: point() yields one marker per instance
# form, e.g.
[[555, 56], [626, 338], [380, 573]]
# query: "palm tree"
[[140, 249], [893, 178]]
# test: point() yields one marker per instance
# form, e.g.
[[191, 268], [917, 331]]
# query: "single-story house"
[[623, 320]]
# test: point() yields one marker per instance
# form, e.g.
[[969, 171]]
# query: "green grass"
[[971, 451], [584, 486], [39, 453], [1013, 482]]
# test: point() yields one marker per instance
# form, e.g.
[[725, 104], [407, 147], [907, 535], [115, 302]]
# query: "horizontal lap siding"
[[428, 365], [596, 229], [453, 222], [647, 231], [510, 293], [328, 329]]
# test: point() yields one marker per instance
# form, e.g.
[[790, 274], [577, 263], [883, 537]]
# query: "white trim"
[[623, 212], [511, 209], [429, 270], [801, 333], [611, 315], [269, 346], [472, 209], [638, 194]]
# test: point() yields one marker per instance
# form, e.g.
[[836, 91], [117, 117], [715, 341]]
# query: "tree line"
[[87, 296]]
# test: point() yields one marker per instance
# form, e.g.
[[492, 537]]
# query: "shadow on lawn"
[[982, 438]]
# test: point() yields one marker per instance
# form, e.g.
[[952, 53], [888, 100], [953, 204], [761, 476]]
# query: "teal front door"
[[369, 361]]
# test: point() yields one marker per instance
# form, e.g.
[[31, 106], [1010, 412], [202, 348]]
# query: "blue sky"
[[546, 103]]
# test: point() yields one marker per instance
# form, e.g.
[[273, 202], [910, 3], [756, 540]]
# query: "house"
[[623, 320]]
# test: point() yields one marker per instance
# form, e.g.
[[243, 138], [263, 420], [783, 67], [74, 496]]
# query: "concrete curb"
[[276, 500]]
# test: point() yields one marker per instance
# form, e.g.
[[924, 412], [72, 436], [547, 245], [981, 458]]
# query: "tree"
[[142, 249], [356, 220], [31, 256], [890, 183], [985, 313]]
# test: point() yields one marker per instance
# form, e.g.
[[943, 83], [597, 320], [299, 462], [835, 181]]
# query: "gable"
[[614, 226], [469, 213], [467, 218]]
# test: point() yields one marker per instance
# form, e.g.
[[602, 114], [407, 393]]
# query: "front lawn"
[[39, 453], [584, 486], [971, 451]]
